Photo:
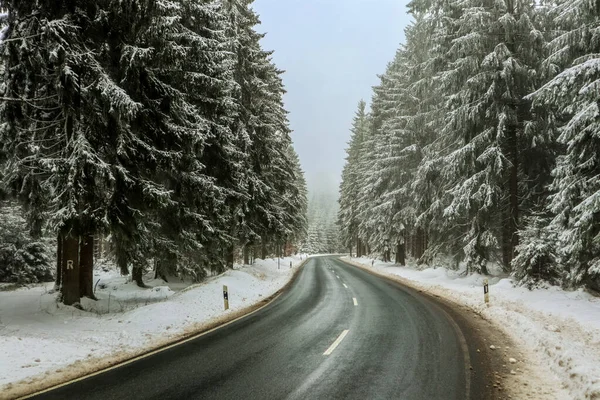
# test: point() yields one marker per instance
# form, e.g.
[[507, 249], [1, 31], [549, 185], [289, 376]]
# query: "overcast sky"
[[332, 51]]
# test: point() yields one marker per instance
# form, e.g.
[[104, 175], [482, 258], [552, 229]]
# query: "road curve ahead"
[[337, 333]]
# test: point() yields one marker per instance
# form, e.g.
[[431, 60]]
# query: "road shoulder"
[[490, 349], [91, 366]]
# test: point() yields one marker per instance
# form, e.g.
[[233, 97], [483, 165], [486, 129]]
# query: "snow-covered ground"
[[38, 336], [561, 328]]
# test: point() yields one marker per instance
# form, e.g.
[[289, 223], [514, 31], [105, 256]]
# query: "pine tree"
[[323, 235], [572, 97], [376, 203], [490, 70], [210, 181], [55, 164], [459, 158], [296, 200], [348, 220], [262, 122]]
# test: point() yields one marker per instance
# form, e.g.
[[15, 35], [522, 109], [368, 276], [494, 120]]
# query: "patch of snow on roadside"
[[39, 336]]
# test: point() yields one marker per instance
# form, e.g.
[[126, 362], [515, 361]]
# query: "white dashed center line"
[[354, 300], [336, 343]]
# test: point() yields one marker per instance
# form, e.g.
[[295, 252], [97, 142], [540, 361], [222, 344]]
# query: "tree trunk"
[[420, 243], [263, 249], [70, 270], [159, 270], [122, 262], [417, 244], [506, 241], [246, 255], [484, 270], [59, 257], [230, 256], [400, 255], [136, 276], [86, 267], [425, 246], [514, 198]]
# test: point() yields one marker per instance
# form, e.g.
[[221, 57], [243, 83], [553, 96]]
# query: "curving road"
[[337, 333]]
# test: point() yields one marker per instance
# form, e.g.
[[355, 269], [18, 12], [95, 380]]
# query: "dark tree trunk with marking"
[[70, 270]]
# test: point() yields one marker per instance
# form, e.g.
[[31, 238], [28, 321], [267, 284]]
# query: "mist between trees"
[[158, 127], [482, 142], [323, 235]]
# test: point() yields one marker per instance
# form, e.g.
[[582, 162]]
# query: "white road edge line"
[[354, 300], [346, 286], [336, 343]]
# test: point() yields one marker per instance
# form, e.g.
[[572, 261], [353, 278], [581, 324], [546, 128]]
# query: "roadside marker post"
[[486, 292], [226, 297]]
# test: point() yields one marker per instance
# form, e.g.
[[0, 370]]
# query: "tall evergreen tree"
[[348, 214], [150, 121], [263, 124], [572, 97]]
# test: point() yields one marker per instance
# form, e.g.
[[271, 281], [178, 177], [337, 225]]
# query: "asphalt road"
[[392, 343]]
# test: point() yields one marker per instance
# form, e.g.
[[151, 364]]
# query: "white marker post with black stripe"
[[226, 297], [486, 292]]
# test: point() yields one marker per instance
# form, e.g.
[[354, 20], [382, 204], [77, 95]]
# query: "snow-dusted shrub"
[[22, 259], [537, 258]]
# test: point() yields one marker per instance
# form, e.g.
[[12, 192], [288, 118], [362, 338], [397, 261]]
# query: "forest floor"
[[40, 338], [557, 331]]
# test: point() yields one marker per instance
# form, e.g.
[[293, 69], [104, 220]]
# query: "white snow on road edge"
[[560, 328], [38, 337]]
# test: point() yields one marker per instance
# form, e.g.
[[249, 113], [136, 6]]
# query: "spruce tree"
[[348, 219], [572, 97], [262, 121]]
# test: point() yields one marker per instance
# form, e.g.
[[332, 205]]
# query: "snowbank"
[[561, 328], [37, 336]]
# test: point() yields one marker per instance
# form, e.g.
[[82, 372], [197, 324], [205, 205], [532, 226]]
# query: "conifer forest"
[[481, 144], [159, 125]]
